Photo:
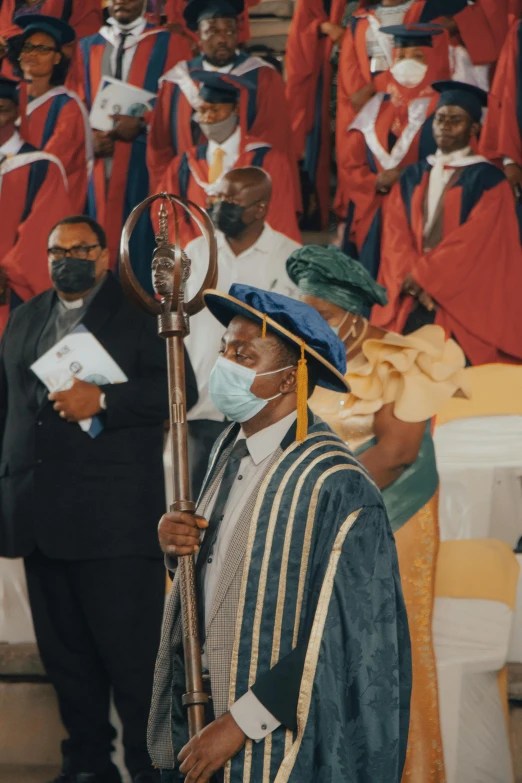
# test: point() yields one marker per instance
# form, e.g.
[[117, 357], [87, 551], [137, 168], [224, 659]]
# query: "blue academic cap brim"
[[197, 10], [413, 34], [216, 87], [295, 322], [60, 31]]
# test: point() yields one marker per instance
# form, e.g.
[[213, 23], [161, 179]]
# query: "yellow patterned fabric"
[[417, 547], [215, 169]]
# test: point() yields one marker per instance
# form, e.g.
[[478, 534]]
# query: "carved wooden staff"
[[170, 272]]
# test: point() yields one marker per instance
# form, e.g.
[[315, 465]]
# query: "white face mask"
[[409, 73]]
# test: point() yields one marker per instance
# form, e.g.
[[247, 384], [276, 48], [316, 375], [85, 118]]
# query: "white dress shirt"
[[112, 32], [230, 147], [12, 146], [262, 266], [440, 175], [248, 712]]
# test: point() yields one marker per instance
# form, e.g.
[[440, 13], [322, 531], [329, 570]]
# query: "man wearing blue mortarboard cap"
[[174, 126], [305, 643], [450, 220], [222, 118]]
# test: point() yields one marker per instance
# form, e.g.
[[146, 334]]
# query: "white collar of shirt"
[[263, 244], [265, 442], [113, 31], [75, 304], [230, 147], [450, 157], [12, 146], [224, 69]]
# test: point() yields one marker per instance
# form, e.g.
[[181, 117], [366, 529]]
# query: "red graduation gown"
[[86, 16], [483, 26], [308, 87], [354, 73], [56, 123], [474, 274], [23, 242], [368, 153], [515, 10], [268, 116], [111, 205], [187, 176], [501, 134]]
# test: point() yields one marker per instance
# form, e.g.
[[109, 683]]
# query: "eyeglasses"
[[29, 48], [77, 251]]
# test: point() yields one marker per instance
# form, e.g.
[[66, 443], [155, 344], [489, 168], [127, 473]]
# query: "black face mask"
[[228, 218], [73, 275]]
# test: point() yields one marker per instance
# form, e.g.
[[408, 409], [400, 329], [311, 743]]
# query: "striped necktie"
[[239, 452], [216, 167]]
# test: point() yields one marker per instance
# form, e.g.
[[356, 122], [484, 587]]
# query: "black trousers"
[[202, 434], [98, 625]]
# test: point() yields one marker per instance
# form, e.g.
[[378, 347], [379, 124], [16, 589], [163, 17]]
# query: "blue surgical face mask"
[[229, 388]]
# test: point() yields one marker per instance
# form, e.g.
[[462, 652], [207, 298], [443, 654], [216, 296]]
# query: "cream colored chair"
[[476, 588]]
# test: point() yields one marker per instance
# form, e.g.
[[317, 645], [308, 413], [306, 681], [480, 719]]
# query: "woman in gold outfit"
[[398, 383]]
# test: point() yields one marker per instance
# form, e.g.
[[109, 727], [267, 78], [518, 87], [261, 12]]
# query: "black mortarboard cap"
[[470, 98], [60, 31], [197, 10], [413, 34], [9, 89], [216, 87], [435, 8]]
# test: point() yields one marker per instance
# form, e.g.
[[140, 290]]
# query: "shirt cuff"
[[253, 718], [508, 161]]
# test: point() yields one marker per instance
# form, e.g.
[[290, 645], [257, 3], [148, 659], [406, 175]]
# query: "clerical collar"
[[128, 28], [12, 146], [76, 304]]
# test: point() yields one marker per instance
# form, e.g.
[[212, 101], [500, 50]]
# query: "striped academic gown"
[[33, 198], [473, 270], [368, 153], [111, 205], [188, 176], [173, 131], [308, 88], [309, 613], [57, 122]]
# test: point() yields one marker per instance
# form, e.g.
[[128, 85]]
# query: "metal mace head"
[[170, 266]]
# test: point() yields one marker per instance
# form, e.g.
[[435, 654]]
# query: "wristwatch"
[[103, 401]]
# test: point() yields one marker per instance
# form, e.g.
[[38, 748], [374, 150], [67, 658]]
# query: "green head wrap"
[[327, 273]]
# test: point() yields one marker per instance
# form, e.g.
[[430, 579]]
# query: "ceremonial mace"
[[170, 272]]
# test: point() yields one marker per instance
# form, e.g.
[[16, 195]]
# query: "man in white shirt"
[[249, 251]]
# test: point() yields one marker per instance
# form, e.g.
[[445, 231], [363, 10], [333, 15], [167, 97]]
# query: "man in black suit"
[[83, 511]]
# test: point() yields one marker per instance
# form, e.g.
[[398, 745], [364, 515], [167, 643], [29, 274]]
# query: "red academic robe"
[[354, 74], [173, 10], [501, 134], [86, 16], [474, 274], [308, 88], [32, 184], [515, 10], [156, 52], [187, 176], [483, 27], [58, 123], [368, 152], [172, 131]]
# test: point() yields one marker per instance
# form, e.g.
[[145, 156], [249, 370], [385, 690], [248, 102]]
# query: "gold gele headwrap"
[[302, 396]]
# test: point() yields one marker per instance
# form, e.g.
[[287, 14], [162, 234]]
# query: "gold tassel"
[[302, 397], [263, 330]]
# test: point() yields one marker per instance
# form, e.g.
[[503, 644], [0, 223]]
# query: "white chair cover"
[[471, 643]]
